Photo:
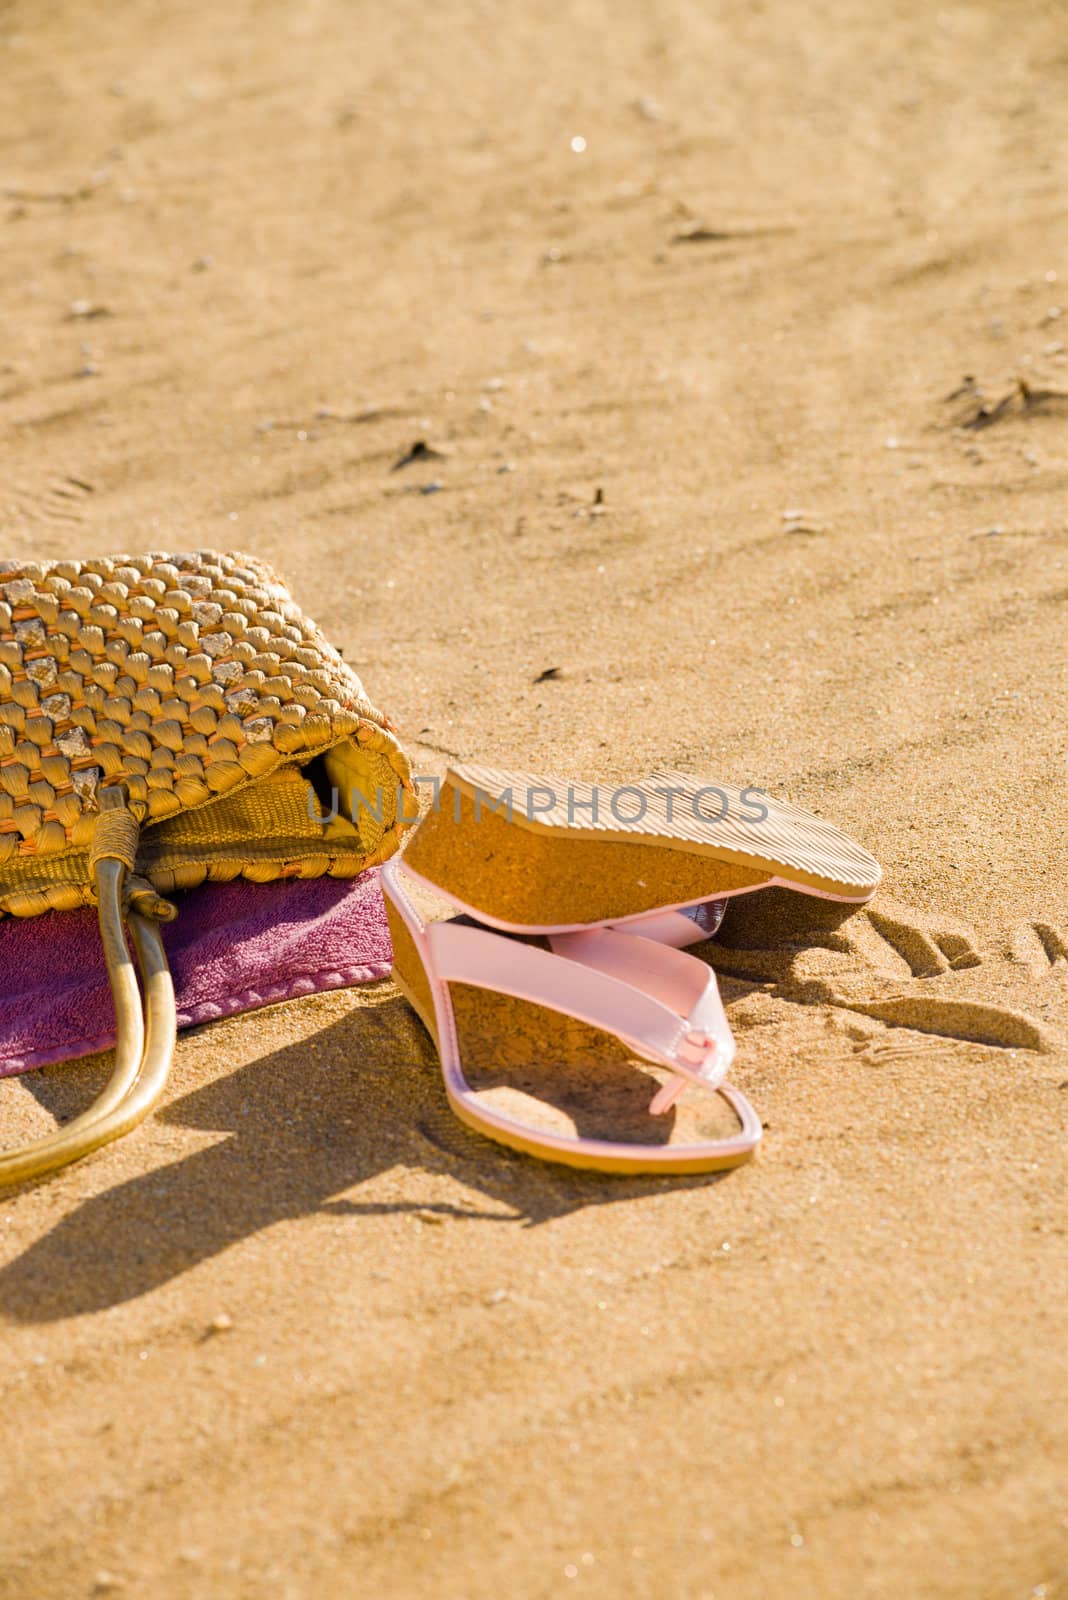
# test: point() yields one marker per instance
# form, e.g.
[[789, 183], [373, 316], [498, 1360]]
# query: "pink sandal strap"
[[662, 1003], [678, 928], [495, 966]]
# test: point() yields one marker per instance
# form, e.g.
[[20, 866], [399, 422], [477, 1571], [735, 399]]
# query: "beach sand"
[[794, 309]]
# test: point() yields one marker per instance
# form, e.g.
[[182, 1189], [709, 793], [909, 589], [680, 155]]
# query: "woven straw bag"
[[167, 720]]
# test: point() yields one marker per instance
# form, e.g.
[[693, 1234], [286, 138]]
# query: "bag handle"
[[145, 1040]]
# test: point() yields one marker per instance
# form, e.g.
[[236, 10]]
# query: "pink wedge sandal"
[[524, 852], [541, 1036]]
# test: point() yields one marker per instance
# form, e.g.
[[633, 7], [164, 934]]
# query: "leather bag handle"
[[146, 1038]]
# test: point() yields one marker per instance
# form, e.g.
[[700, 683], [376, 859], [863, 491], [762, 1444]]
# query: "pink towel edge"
[[295, 988]]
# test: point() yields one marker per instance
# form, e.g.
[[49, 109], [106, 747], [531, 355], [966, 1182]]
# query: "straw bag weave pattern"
[[188, 678], [167, 719]]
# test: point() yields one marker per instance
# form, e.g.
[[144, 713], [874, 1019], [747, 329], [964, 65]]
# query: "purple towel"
[[234, 946]]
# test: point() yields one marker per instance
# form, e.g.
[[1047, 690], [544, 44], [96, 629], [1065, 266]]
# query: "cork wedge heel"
[[525, 852], [575, 1047]]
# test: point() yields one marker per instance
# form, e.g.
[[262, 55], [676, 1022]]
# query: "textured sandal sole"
[[527, 851]]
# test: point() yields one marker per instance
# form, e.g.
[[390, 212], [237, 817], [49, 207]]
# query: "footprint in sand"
[[62, 499], [1042, 948], [900, 967]]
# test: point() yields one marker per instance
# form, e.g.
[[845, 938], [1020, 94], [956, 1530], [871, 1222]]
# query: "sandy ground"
[[251, 252]]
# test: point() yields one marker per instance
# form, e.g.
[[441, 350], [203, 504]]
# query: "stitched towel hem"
[[207, 1011]]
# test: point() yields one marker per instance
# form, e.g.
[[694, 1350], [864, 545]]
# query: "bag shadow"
[[302, 1126]]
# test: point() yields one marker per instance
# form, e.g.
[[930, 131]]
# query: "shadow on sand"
[[305, 1124], [318, 1118]]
